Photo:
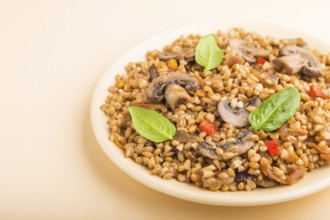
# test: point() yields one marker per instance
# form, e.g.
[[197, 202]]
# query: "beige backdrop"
[[52, 54]]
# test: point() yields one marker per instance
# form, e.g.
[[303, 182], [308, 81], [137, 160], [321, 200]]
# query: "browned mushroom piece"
[[240, 146], [165, 56], [175, 95], [184, 136], [153, 72], [178, 53], [272, 77], [293, 59], [207, 149], [290, 64], [175, 86], [248, 51], [231, 60], [185, 53], [236, 117]]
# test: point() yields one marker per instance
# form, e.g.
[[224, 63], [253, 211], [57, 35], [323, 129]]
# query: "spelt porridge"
[[227, 111]]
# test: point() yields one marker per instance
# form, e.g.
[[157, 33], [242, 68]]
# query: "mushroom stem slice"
[[153, 72], [291, 64], [175, 95], [294, 59]]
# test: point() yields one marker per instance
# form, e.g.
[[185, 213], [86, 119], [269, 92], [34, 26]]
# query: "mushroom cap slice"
[[207, 149], [155, 91], [236, 117], [248, 51], [230, 150], [176, 95], [237, 147]]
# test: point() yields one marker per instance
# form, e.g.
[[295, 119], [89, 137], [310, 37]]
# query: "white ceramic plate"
[[311, 183]]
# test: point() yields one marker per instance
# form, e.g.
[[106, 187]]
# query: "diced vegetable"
[[273, 147], [208, 127], [172, 64], [318, 92], [261, 61]]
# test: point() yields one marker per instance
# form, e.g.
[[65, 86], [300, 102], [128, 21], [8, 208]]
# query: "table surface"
[[52, 54]]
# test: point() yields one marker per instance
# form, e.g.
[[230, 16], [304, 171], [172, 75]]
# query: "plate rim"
[[154, 182]]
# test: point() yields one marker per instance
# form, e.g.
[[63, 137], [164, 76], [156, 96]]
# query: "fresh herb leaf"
[[275, 110], [151, 124], [208, 54]]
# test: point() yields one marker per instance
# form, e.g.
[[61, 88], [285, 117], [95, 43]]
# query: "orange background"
[[52, 54]]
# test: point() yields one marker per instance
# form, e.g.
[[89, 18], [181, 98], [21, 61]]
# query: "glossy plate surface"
[[311, 183]]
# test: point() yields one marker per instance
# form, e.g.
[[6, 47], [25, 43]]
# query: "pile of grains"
[[304, 140]]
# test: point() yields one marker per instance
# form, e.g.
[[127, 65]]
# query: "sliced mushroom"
[[274, 79], [238, 147], [232, 60], [165, 56], [291, 64], [296, 174], [294, 59], [230, 150], [242, 176], [153, 72], [186, 53], [149, 106], [184, 136], [178, 53], [255, 101], [236, 117], [207, 149], [248, 51], [156, 89], [175, 95], [265, 182]]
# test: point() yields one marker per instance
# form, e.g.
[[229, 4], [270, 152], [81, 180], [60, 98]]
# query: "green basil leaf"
[[275, 111], [151, 124], [207, 53]]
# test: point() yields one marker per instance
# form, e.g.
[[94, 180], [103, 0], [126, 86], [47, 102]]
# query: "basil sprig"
[[151, 124], [275, 111], [207, 53]]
